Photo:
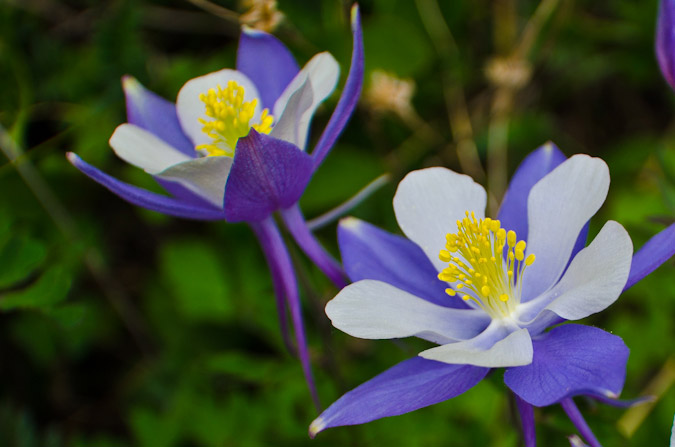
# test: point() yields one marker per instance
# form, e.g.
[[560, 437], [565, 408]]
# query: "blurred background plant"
[[122, 327]]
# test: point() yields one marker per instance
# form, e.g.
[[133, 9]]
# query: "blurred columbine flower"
[[486, 290], [388, 93], [262, 15], [665, 40], [233, 147]]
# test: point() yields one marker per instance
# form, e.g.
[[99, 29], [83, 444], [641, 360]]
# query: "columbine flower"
[[485, 290], [233, 147]]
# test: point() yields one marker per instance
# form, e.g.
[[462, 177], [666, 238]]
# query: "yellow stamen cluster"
[[476, 264], [231, 118]]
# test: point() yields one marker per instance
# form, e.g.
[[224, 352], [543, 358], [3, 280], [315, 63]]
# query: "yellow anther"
[[444, 256], [519, 254], [231, 118], [450, 292], [478, 265]]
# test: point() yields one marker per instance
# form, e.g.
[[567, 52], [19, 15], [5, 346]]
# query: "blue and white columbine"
[[234, 147], [485, 290]]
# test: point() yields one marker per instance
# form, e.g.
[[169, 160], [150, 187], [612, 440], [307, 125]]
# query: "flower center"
[[477, 269], [231, 119]]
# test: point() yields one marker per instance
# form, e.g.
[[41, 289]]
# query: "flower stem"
[[579, 422]]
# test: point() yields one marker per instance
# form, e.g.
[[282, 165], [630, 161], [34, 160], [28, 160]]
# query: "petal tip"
[[252, 32], [130, 84], [350, 223], [72, 157], [355, 14], [316, 426]]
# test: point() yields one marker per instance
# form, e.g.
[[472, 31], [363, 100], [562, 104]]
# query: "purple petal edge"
[[665, 40], [655, 252], [570, 360], [146, 199], [350, 94], [412, 384]]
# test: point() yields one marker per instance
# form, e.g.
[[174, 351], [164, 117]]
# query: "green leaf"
[[19, 257], [196, 278], [49, 290]]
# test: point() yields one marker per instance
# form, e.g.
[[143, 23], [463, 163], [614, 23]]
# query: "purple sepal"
[[408, 386], [655, 252], [146, 199], [665, 40], [371, 253], [526, 412], [267, 174], [350, 94], [267, 62], [155, 114], [568, 361], [513, 210]]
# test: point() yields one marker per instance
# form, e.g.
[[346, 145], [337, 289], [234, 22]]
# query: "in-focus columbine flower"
[[485, 290], [233, 148]]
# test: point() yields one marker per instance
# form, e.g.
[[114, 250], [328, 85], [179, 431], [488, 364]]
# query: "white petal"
[[205, 176], [143, 149], [376, 310], [593, 281], [322, 71], [190, 108], [559, 206], [288, 126], [494, 348], [428, 204]]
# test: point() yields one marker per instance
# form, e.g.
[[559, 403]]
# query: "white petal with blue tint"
[[559, 206], [144, 150], [374, 309], [322, 71], [428, 203], [495, 347], [190, 108], [205, 176], [287, 127], [593, 281]]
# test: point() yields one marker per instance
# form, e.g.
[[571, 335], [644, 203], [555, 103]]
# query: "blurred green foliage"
[[122, 327]]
